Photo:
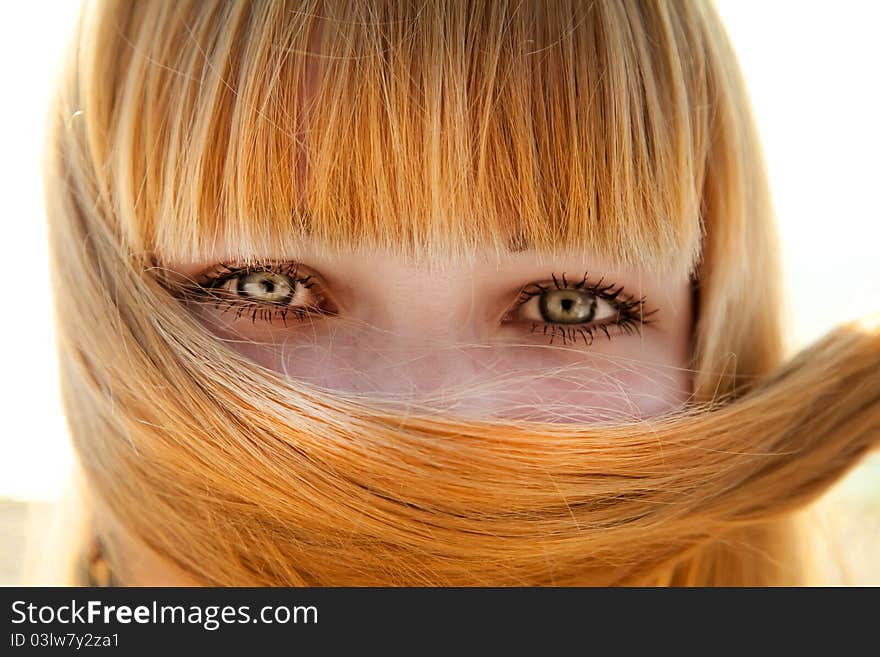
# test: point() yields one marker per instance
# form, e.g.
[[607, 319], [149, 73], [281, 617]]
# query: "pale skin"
[[477, 338], [399, 331]]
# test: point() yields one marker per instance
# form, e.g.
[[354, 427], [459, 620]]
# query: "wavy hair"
[[430, 129]]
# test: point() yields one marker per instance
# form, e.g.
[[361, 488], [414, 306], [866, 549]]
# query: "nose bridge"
[[415, 331], [420, 309], [407, 358], [420, 349]]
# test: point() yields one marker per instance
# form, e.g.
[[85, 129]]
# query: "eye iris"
[[266, 286], [567, 306]]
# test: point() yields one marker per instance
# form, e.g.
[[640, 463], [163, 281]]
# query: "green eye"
[[274, 291], [566, 306], [266, 287], [578, 311]]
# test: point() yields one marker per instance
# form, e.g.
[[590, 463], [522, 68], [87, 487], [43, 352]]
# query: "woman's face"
[[493, 337], [478, 338]]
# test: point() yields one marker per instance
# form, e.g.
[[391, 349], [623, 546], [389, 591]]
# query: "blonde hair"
[[617, 127]]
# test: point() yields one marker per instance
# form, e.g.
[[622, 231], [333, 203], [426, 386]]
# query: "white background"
[[812, 71]]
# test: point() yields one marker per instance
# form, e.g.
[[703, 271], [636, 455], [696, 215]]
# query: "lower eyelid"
[[586, 334]]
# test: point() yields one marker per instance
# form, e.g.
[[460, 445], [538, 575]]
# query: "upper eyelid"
[[223, 271], [601, 287], [562, 282], [226, 269]]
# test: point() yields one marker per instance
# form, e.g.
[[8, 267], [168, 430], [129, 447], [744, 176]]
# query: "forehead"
[[425, 133]]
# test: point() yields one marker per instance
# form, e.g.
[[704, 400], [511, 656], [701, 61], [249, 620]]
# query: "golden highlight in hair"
[[435, 130]]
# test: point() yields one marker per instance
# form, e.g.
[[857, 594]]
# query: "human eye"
[[579, 311], [274, 292]]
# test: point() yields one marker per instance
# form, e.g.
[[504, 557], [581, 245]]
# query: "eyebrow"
[[517, 243]]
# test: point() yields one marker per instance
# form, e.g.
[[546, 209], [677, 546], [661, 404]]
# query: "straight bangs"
[[430, 129]]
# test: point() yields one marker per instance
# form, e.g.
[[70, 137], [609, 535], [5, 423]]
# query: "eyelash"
[[631, 313], [203, 289]]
